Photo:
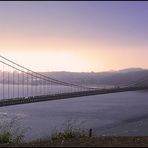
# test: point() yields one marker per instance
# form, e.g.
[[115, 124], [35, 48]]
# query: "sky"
[[76, 36]]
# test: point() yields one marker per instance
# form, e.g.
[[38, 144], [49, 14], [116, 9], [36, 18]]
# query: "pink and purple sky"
[[75, 36]]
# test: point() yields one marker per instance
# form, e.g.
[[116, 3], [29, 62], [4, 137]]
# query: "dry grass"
[[90, 142]]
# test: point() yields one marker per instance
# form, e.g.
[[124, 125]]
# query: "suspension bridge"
[[20, 85]]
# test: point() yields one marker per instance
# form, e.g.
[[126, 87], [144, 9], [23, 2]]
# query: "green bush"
[[9, 132], [71, 130], [5, 137]]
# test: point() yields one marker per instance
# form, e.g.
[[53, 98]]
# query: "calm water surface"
[[124, 113]]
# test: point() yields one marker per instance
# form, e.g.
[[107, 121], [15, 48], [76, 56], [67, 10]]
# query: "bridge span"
[[20, 85], [33, 99]]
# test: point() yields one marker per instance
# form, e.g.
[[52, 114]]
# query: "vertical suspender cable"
[[3, 83], [23, 84], [8, 84], [18, 84], [27, 83], [13, 83], [35, 85], [32, 86]]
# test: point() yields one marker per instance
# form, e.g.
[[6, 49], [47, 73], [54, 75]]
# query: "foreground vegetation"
[[76, 139], [10, 133], [86, 142], [93, 142], [70, 136]]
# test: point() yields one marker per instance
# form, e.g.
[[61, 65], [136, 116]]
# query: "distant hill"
[[124, 76], [131, 69], [120, 77]]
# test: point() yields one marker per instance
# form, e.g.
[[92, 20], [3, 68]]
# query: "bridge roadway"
[[23, 100]]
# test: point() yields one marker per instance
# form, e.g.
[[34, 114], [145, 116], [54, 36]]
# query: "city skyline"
[[75, 36]]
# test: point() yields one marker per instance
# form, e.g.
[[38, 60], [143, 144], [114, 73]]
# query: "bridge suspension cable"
[[22, 85], [51, 79], [20, 82]]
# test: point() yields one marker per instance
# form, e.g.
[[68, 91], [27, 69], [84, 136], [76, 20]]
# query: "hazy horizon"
[[124, 69], [128, 68]]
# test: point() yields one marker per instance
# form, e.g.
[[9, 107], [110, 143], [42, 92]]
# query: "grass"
[[10, 133], [71, 130], [72, 135], [101, 141]]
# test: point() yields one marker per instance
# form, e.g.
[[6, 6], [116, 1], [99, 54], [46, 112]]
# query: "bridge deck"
[[15, 101]]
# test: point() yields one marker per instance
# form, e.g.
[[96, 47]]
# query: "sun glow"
[[51, 61]]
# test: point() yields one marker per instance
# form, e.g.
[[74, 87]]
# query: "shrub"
[[9, 133], [71, 130]]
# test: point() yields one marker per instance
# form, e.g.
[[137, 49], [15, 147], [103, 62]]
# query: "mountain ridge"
[[119, 77]]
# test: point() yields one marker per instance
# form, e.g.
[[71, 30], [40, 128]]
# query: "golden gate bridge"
[[20, 85]]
